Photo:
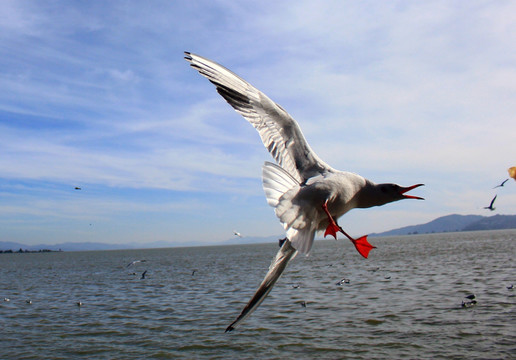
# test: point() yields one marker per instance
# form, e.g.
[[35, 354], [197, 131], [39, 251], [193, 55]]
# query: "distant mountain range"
[[449, 223], [91, 246], [453, 223]]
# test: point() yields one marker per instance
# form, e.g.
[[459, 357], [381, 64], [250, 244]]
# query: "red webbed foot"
[[363, 246], [332, 230]]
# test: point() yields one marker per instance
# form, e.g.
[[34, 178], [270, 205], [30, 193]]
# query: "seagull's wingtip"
[[229, 329]]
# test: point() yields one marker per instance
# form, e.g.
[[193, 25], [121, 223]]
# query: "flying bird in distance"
[[77, 188], [490, 207], [135, 262], [307, 194], [502, 184], [236, 233]]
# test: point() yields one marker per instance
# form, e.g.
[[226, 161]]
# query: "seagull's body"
[[490, 207], [307, 194]]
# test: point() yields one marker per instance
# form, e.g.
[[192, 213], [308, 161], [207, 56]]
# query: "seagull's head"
[[381, 194], [397, 192]]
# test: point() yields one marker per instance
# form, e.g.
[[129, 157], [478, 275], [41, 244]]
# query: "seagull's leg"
[[332, 226], [361, 244]]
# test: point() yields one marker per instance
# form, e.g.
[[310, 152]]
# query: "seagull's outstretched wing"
[[278, 265], [492, 201], [279, 132]]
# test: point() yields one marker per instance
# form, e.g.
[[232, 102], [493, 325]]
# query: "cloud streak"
[[405, 92]]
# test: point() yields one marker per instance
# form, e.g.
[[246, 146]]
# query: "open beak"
[[407, 189]]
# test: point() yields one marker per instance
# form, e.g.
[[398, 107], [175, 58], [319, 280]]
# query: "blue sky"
[[97, 95]]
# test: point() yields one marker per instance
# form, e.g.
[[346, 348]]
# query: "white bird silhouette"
[[307, 194]]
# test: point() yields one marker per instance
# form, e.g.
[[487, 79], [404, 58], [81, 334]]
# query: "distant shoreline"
[[22, 251]]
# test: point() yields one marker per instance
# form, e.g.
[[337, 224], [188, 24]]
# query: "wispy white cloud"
[[402, 91]]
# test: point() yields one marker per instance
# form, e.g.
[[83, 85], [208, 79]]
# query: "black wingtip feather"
[[231, 95]]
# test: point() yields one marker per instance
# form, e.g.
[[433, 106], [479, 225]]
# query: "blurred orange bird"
[[512, 172]]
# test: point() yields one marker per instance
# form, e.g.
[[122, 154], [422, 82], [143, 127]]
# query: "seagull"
[[307, 194], [6, 299], [502, 184], [143, 275], [236, 233], [343, 281], [135, 262], [490, 207], [77, 188], [466, 304], [79, 303]]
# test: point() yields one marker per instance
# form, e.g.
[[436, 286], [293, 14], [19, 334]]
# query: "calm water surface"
[[402, 302]]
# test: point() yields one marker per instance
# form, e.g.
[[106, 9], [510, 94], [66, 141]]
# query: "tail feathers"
[[276, 182], [302, 240], [278, 265]]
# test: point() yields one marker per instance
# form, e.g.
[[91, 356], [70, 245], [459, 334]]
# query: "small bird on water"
[[343, 281], [307, 194], [472, 302]]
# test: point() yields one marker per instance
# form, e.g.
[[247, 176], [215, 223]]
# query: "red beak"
[[406, 189]]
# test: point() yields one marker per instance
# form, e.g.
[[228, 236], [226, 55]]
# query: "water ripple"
[[403, 302]]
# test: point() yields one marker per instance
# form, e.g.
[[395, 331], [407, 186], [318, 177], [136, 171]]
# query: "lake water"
[[404, 302]]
